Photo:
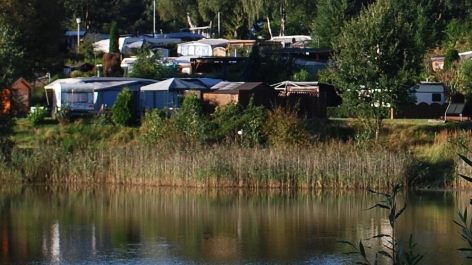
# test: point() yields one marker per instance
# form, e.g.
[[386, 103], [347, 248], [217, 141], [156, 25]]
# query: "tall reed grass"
[[323, 165]]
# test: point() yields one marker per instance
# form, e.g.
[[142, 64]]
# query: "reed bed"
[[322, 165]]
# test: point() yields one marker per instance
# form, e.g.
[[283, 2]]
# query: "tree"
[[114, 37], [330, 17], [376, 62], [252, 72], [147, 65], [34, 22]]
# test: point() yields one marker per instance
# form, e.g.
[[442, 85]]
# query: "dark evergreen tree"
[[114, 37], [252, 71], [123, 109]]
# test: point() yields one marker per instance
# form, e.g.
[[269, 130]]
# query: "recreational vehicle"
[[431, 92], [80, 97]]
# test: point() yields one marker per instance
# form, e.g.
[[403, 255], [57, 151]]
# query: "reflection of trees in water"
[[211, 225]]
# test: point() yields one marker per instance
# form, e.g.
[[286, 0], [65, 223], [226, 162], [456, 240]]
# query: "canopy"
[[171, 84], [136, 45]]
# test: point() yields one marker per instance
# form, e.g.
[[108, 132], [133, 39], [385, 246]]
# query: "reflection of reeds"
[[324, 165]]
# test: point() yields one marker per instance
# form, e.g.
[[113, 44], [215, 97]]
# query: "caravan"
[[80, 97], [431, 92]]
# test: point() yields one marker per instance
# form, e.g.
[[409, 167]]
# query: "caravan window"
[[74, 97], [436, 97]]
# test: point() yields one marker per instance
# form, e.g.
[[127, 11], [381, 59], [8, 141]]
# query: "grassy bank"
[[417, 154]]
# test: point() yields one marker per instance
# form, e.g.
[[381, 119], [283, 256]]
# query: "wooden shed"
[[17, 99], [241, 93]]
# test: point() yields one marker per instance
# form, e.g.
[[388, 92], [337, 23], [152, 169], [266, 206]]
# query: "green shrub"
[[37, 116], [123, 108], [228, 120], [284, 127], [190, 119], [153, 125], [63, 115]]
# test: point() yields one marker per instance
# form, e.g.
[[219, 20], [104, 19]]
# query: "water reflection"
[[71, 225]]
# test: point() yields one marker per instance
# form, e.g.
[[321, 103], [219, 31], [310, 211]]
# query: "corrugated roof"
[[234, 87]]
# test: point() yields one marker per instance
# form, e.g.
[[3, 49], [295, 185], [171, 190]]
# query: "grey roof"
[[172, 84], [226, 87], [96, 80]]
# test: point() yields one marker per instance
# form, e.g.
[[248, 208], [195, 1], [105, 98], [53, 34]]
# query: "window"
[[74, 97], [436, 97]]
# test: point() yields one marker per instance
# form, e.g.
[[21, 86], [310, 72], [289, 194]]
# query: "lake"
[[42, 224]]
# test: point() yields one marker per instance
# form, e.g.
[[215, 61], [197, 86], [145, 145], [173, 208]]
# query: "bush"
[[63, 115], [153, 126], [123, 108], [37, 116], [284, 127]]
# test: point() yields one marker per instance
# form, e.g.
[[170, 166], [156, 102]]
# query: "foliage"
[[114, 37], [123, 109], [396, 251], [252, 72], [376, 63], [63, 115], [229, 120], [6, 143], [465, 78], [26, 25], [190, 119], [301, 76], [452, 55], [37, 116], [11, 57], [466, 229], [277, 69], [284, 127], [153, 126], [148, 65], [253, 120], [329, 19]]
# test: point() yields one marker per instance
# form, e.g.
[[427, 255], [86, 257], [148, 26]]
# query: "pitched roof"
[[172, 84]]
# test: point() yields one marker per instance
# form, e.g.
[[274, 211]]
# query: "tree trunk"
[[268, 26], [282, 20], [378, 125]]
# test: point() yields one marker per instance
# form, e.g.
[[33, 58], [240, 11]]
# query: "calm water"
[[63, 225]]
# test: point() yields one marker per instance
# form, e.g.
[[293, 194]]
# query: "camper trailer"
[[431, 92], [80, 97]]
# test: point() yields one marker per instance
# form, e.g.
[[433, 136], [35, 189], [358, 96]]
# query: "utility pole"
[[78, 33]]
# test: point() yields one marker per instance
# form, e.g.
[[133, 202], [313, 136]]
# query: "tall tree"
[[114, 38], [253, 66], [376, 63]]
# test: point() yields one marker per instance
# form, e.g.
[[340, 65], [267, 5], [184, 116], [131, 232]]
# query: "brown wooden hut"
[[17, 99], [241, 93]]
